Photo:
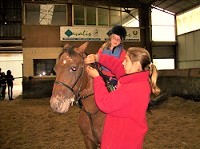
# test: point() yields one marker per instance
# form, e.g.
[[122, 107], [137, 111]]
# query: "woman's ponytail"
[[153, 79]]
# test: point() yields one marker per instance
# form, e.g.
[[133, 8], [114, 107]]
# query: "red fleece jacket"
[[125, 124], [122, 57]]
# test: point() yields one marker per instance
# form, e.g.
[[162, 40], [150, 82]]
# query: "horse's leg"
[[85, 127]]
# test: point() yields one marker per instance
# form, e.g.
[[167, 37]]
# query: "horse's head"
[[70, 77]]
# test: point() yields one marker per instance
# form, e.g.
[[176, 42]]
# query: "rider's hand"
[[92, 58], [92, 72]]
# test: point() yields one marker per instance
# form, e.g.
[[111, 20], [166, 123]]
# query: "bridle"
[[77, 98]]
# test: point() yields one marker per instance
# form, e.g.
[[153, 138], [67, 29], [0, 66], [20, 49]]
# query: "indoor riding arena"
[[32, 124], [173, 121], [33, 37]]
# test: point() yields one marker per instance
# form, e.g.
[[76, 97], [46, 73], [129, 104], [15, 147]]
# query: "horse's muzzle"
[[59, 104]]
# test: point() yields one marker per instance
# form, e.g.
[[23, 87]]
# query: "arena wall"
[[179, 82], [37, 87]]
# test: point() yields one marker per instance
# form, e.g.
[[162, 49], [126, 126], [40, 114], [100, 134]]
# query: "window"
[[103, 16], [167, 63], [189, 21], [44, 67], [91, 16], [79, 15], [163, 29], [115, 16], [163, 26], [130, 19], [45, 14], [10, 19]]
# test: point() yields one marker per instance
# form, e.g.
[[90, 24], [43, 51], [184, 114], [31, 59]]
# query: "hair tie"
[[150, 64], [150, 68]]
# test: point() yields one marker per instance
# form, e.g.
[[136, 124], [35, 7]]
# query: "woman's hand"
[[92, 58], [92, 72]]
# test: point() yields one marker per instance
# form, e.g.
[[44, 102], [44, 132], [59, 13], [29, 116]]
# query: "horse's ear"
[[83, 47], [66, 46]]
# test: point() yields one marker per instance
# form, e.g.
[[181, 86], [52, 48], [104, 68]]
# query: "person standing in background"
[[3, 85], [9, 79], [0, 84]]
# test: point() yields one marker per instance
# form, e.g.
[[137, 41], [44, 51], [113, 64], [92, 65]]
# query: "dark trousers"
[[3, 93], [10, 91]]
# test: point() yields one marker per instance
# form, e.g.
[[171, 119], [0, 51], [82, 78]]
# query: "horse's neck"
[[88, 89], [89, 103]]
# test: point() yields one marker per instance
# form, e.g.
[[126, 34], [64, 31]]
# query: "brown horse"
[[72, 84]]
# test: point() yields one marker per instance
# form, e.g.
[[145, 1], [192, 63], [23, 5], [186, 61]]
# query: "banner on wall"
[[69, 33]]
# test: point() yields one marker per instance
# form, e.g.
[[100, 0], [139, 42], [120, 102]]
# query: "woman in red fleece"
[[125, 124]]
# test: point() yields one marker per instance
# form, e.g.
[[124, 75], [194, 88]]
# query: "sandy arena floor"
[[31, 124]]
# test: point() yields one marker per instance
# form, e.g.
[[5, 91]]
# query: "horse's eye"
[[73, 68]]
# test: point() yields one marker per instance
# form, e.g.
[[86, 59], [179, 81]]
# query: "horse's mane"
[[70, 50]]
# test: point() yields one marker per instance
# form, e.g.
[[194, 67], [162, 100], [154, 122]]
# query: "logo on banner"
[[82, 33]]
